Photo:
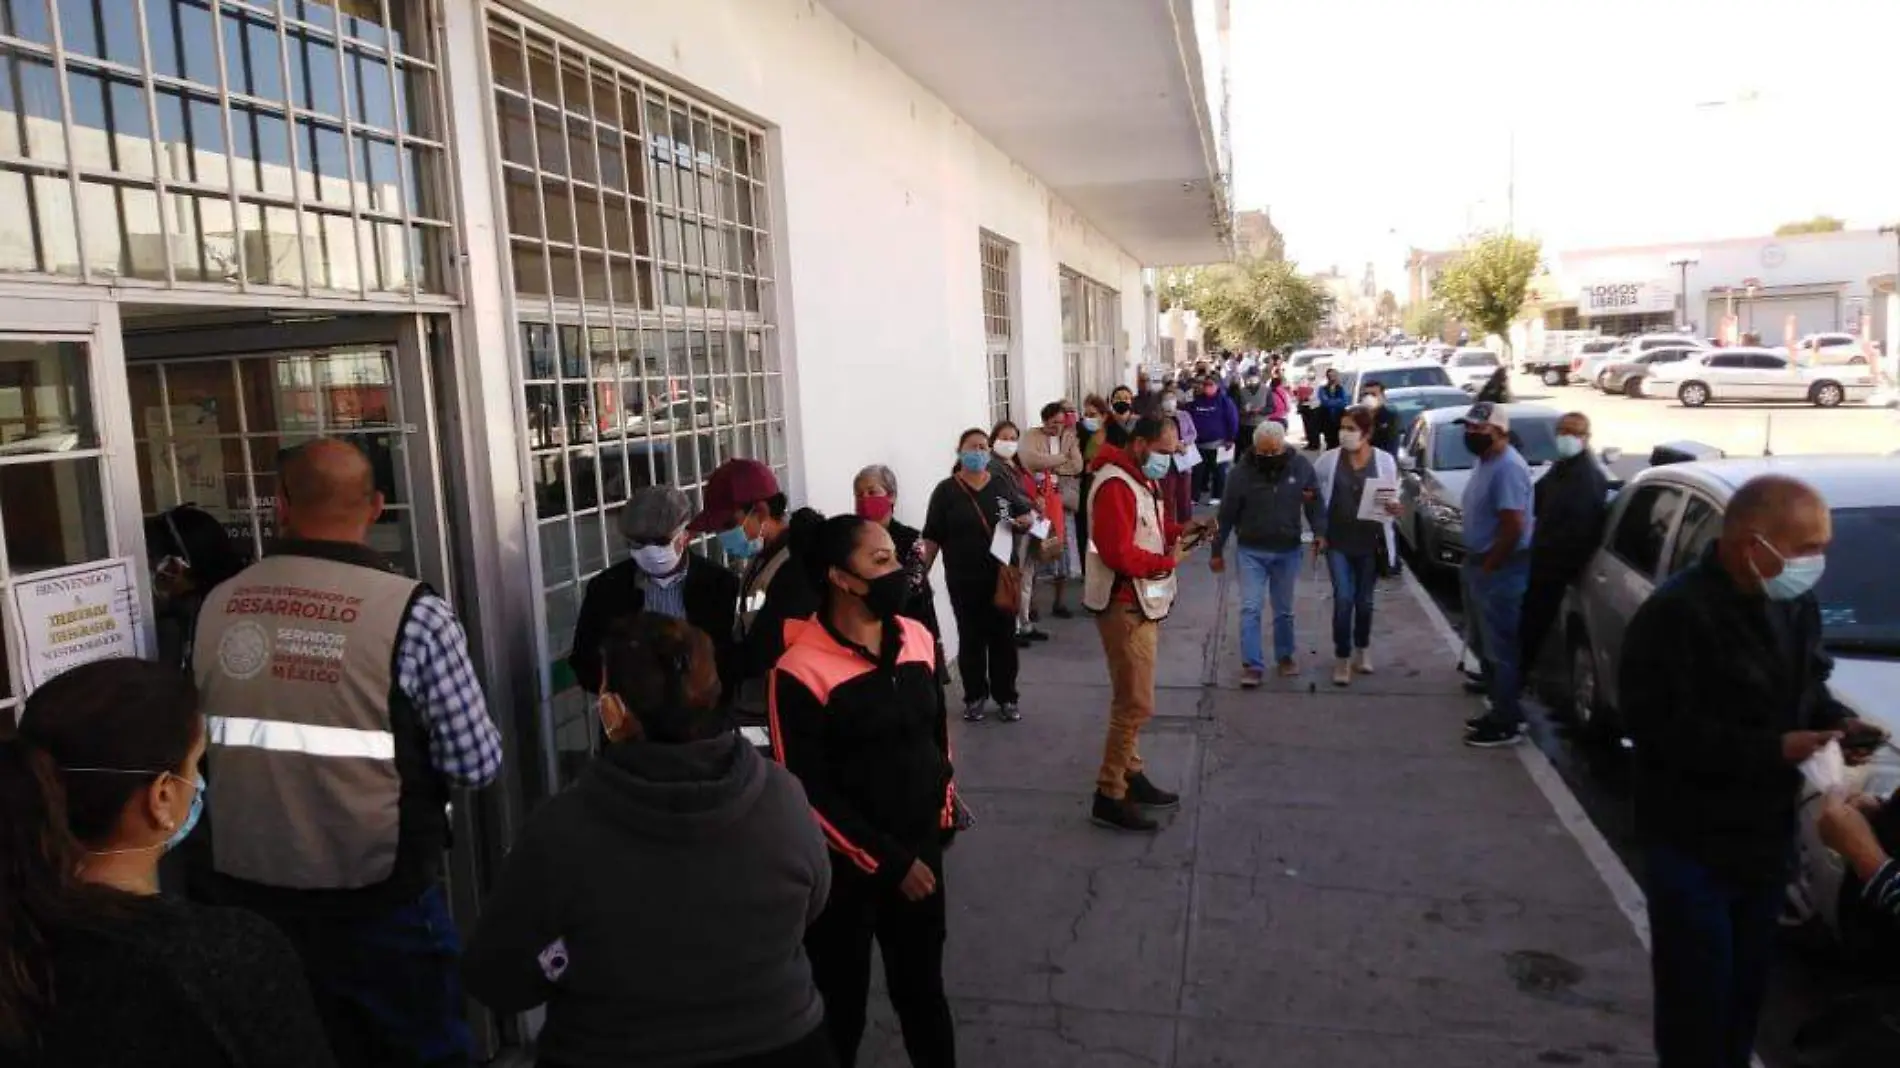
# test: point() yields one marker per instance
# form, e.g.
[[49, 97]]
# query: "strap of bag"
[[989, 525]]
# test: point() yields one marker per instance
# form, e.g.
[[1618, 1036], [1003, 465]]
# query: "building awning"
[[1106, 101]]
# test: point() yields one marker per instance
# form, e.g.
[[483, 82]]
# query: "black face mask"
[[1479, 444], [1121, 407], [887, 593]]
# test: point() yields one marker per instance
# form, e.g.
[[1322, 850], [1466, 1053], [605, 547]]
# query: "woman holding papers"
[[1358, 488], [1044, 493]]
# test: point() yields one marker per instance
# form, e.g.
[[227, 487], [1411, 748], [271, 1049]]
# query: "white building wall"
[[884, 189]]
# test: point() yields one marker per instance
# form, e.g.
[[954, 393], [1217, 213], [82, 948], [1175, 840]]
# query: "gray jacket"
[[1266, 512]]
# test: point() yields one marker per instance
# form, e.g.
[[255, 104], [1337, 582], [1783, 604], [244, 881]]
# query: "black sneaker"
[[1023, 641], [1008, 711], [1062, 611], [1146, 794], [1491, 734], [1121, 815], [1477, 686], [1037, 636], [973, 711]]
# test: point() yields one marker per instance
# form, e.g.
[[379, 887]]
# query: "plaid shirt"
[[433, 671]]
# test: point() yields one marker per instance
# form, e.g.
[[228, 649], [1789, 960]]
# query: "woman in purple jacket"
[[1216, 425]]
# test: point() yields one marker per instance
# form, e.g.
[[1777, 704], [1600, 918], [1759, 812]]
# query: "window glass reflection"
[[52, 514]]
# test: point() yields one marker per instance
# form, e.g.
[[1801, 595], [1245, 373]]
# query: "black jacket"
[[865, 732], [658, 909], [711, 595], [1571, 503], [1264, 509], [1386, 429], [788, 596], [1711, 678]]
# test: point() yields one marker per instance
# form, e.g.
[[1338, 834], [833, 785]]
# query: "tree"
[[1820, 224], [1424, 320], [1485, 284], [1388, 309], [1253, 304]]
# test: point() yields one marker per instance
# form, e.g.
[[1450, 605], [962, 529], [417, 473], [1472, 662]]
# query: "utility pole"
[[1510, 188], [1682, 294]]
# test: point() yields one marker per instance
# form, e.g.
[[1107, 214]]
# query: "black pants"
[[1543, 599], [1311, 422], [812, 1051], [1329, 427], [1210, 476], [1711, 943], [910, 936], [986, 649]]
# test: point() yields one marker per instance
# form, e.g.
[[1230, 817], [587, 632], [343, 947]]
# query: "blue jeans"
[[1258, 569], [1354, 577], [1710, 946], [1494, 608]]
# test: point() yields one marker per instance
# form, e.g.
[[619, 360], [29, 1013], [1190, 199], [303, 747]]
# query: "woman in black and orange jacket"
[[857, 714]]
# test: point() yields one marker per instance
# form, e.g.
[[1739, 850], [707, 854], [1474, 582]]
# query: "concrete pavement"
[[1345, 883]]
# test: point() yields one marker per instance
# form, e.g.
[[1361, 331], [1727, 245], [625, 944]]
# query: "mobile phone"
[[1863, 741]]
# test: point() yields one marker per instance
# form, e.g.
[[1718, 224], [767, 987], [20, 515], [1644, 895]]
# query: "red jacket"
[[1112, 525]]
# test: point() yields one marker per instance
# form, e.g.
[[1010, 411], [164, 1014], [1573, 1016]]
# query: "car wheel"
[[1827, 394], [1583, 688], [1858, 359], [1693, 394], [1555, 377], [1633, 387], [1603, 381]]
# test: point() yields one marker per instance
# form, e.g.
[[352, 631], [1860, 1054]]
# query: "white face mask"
[[1005, 449], [1350, 440], [659, 561]]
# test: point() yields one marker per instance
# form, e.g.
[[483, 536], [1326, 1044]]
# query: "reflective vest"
[[1155, 596], [319, 763]]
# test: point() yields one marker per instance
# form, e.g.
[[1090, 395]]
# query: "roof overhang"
[[1105, 101]]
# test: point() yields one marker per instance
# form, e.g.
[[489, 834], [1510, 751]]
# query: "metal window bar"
[[292, 131], [582, 336], [344, 100], [66, 132], [158, 165], [240, 253], [408, 231]]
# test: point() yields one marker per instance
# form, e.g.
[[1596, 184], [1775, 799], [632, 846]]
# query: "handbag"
[[1008, 597]]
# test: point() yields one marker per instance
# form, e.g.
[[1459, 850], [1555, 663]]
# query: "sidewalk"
[[1344, 885]]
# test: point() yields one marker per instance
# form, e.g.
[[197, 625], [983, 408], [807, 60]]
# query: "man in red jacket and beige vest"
[[340, 708], [1129, 583]]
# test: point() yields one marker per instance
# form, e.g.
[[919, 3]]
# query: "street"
[[1598, 774]]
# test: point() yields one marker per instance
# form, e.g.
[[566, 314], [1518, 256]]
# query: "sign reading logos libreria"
[[75, 615], [1626, 298]]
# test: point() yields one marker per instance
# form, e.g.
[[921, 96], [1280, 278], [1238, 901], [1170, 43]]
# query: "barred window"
[[998, 323]]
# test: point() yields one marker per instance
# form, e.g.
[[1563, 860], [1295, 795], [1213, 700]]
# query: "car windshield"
[[1398, 378], [1591, 348], [1534, 435], [1859, 593], [1477, 359], [1409, 408]]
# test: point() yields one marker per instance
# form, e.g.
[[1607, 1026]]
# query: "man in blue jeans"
[[1267, 492], [1497, 570]]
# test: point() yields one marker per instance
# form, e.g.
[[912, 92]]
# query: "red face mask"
[[875, 509], [1068, 418]]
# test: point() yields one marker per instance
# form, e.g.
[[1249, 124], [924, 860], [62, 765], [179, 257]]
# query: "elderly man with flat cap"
[[340, 709], [660, 576]]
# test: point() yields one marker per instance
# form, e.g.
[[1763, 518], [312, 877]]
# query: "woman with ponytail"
[[100, 780]]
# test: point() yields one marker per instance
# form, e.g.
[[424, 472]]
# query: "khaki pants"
[[1128, 641]]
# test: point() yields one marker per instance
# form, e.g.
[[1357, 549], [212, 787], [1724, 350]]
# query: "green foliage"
[[1485, 284], [1820, 224], [1388, 309], [1424, 320], [1252, 304]]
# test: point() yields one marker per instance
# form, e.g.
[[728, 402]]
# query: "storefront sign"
[[194, 447], [75, 615], [1626, 298]]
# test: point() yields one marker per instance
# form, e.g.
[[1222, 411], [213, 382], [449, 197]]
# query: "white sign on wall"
[[1626, 298], [73, 616]]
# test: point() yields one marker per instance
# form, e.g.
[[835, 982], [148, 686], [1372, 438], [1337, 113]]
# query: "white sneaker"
[[1362, 661], [1342, 672]]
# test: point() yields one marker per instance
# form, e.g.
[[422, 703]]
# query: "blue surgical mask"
[[1091, 425], [1797, 577], [974, 460], [1568, 446], [1156, 466], [738, 545], [191, 818]]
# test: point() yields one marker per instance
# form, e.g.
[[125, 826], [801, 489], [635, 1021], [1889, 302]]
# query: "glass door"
[[60, 527]]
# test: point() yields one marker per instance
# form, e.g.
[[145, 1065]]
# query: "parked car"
[[1392, 374], [1411, 402], [1625, 376], [1471, 368], [680, 413], [1668, 516], [1310, 364], [1830, 349], [1593, 355], [1754, 374], [1434, 467]]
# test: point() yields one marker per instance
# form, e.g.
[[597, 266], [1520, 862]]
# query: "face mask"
[[198, 809], [1797, 577], [1568, 446], [885, 594], [657, 560], [1155, 466], [738, 545], [1170, 405], [1210, 391], [1350, 440], [1005, 449], [1091, 425], [1372, 400], [1068, 418], [975, 460], [1479, 444], [1120, 407], [876, 509], [1270, 460]]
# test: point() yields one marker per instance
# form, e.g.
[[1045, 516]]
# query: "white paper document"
[[1039, 529], [1224, 454], [1379, 493], [1003, 542], [1185, 461]]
